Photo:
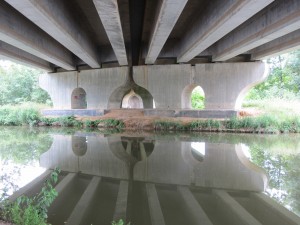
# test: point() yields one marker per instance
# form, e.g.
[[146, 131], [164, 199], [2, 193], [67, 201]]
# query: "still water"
[[154, 178]]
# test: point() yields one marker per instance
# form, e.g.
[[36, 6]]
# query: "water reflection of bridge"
[[155, 181]]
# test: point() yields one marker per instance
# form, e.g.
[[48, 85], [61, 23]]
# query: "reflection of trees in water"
[[284, 175], [9, 174], [19, 147], [23, 145]]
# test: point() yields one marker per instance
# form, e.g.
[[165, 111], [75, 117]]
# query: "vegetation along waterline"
[[265, 123]]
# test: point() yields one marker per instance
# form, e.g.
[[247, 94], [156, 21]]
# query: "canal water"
[[153, 178]]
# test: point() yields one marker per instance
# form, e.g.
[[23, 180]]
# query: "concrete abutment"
[[169, 86]]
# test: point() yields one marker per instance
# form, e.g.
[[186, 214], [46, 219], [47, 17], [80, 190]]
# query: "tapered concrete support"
[[274, 213], [31, 186], [21, 33], [284, 44], [235, 213], [109, 14], [121, 205], [82, 206], [156, 214], [53, 18], [219, 19], [225, 84], [168, 13], [193, 207], [276, 20], [12, 53]]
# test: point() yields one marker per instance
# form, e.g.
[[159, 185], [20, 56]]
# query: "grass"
[[276, 116]]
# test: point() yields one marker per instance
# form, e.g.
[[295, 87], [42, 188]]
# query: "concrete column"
[[81, 207], [143, 151]]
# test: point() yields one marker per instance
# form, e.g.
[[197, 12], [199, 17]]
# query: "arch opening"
[[132, 101], [130, 96], [78, 99], [193, 97]]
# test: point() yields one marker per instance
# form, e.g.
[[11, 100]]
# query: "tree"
[[20, 84]]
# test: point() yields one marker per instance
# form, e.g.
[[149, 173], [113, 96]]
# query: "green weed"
[[32, 210]]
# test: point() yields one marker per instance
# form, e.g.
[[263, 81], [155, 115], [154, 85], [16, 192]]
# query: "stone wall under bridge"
[[162, 89]]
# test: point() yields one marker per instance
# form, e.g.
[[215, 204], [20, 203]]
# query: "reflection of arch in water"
[[132, 100], [79, 145], [78, 99], [131, 150], [240, 152], [138, 147], [193, 153]]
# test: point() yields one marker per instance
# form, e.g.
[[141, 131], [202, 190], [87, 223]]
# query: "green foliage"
[[110, 123], [198, 98], [205, 124], [283, 81], [21, 145], [19, 115], [20, 84], [33, 211], [169, 125], [120, 222]]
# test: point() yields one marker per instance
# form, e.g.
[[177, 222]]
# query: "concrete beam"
[[156, 214], [81, 208], [196, 211], [121, 205], [52, 17], [12, 53], [233, 210], [275, 213], [221, 17], [167, 16], [284, 44], [64, 184], [21, 33], [109, 14], [32, 185], [278, 19]]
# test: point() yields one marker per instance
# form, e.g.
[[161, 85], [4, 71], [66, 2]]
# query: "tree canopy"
[[19, 84]]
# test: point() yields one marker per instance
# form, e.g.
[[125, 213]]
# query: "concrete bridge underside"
[[153, 49]]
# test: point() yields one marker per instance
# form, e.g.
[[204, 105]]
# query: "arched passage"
[[133, 94], [132, 101], [78, 99], [193, 97]]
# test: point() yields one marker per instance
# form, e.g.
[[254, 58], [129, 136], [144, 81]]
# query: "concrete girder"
[[167, 16], [284, 44], [52, 17], [17, 31], [220, 18], [12, 53], [109, 14], [276, 20]]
